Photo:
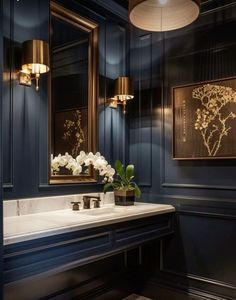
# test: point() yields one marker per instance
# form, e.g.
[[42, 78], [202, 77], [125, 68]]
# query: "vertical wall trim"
[[122, 117], [151, 111], [145, 130], [12, 68], [162, 130], [42, 122], [106, 137], [105, 86]]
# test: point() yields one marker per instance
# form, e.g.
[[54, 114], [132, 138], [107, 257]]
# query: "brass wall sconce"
[[35, 61], [163, 15], [123, 92]]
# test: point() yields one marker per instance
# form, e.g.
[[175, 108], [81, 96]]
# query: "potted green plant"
[[125, 189]]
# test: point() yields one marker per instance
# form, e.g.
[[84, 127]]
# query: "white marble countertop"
[[38, 225]]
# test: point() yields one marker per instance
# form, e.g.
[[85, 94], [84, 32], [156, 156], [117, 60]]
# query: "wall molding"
[[174, 199], [10, 184], [210, 6], [145, 43], [185, 290], [198, 186], [207, 215], [113, 7], [192, 276]]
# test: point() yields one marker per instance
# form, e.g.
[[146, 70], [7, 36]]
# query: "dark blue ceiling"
[[123, 3]]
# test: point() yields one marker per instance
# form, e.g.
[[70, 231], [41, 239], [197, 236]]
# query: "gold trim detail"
[[92, 28]]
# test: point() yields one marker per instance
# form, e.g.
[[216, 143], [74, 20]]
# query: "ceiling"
[[123, 3]]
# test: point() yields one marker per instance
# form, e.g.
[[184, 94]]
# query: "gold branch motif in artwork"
[[74, 133], [213, 119]]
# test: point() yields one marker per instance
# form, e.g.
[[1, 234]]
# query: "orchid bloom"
[[75, 165]]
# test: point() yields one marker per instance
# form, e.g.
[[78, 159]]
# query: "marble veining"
[[37, 225], [21, 207]]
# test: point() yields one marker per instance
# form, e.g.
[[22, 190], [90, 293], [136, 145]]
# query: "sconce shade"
[[35, 58], [123, 89], [163, 15]]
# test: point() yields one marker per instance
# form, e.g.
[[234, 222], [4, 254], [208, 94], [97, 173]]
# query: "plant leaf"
[[137, 190], [116, 183], [129, 172], [119, 168], [107, 186]]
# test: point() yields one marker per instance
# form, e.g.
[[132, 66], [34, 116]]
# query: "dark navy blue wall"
[[201, 255], [25, 112], [1, 202]]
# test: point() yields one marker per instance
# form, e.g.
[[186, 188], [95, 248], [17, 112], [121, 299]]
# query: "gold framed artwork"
[[204, 120]]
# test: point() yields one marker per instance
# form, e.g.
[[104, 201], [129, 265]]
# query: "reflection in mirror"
[[73, 91]]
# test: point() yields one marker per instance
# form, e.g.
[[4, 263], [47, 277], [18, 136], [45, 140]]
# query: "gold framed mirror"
[[73, 92]]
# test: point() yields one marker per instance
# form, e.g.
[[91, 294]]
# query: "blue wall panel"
[[25, 130], [200, 255]]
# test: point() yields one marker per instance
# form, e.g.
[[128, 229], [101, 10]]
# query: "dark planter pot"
[[124, 198]]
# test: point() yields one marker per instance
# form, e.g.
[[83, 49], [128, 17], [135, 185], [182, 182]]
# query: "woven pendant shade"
[[163, 15]]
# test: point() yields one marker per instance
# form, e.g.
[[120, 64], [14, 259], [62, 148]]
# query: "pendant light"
[[163, 15]]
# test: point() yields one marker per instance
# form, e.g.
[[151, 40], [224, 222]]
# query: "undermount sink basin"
[[101, 211]]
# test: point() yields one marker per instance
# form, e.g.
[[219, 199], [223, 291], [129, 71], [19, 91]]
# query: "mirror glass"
[[73, 93]]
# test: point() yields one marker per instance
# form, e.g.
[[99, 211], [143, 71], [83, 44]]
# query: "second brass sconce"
[[35, 61], [123, 92]]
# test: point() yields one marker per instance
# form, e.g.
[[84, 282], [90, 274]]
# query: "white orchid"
[[81, 157], [75, 165], [89, 160], [100, 164], [77, 170]]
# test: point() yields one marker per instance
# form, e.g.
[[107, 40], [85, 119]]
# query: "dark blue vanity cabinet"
[[61, 252]]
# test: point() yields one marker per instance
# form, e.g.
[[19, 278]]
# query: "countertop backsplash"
[[28, 206]]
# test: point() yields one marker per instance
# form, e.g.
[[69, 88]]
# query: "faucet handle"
[[96, 201], [75, 205]]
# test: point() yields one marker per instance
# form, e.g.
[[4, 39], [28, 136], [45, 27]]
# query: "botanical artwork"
[[204, 118], [71, 131], [74, 133]]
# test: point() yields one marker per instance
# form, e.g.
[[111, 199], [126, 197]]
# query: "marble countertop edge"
[[125, 214]]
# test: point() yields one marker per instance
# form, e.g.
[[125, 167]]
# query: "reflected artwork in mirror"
[[73, 98]]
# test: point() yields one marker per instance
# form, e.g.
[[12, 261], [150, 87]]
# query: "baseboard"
[[159, 290]]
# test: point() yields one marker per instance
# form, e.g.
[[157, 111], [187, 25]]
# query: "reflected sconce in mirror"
[[163, 15], [35, 61], [123, 93]]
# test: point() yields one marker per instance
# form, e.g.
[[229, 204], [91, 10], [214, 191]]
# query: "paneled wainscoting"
[[200, 258]]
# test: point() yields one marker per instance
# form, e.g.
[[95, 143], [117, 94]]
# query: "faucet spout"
[[87, 203]]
